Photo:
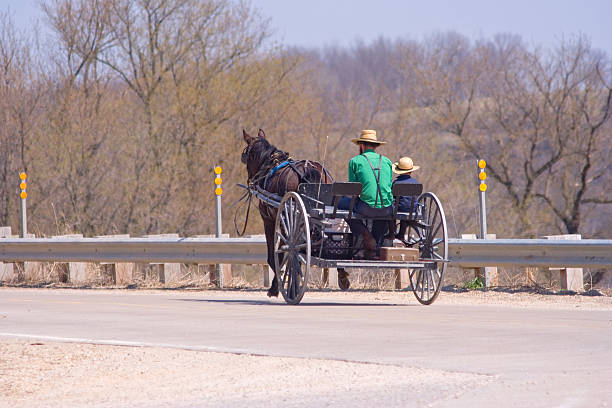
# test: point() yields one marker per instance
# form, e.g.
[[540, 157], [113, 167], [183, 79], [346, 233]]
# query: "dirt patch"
[[36, 374]]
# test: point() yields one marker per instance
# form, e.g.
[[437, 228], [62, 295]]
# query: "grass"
[[475, 283]]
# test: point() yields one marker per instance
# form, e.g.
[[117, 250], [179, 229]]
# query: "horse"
[[276, 172]]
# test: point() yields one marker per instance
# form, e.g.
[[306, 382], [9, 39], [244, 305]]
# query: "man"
[[404, 168], [374, 172]]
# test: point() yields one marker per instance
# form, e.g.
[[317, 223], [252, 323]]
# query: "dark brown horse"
[[261, 158]]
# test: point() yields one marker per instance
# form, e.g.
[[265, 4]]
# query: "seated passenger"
[[374, 172], [404, 167]]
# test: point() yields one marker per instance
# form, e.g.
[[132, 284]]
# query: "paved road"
[[536, 356]]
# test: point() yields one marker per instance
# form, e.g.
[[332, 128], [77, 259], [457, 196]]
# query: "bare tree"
[[20, 96], [533, 116]]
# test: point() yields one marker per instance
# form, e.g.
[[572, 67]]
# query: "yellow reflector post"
[[23, 185], [23, 195], [218, 170], [482, 164], [23, 176], [482, 175], [218, 181], [483, 187], [218, 191]]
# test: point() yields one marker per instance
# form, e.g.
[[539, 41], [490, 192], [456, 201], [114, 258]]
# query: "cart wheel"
[[292, 248], [433, 246], [412, 236], [343, 280]]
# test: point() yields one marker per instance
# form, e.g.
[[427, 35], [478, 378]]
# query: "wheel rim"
[[433, 246], [292, 248]]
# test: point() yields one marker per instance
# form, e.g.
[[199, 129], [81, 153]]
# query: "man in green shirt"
[[374, 172]]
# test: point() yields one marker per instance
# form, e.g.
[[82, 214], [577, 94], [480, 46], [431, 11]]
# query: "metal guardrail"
[[586, 253], [147, 250], [464, 253]]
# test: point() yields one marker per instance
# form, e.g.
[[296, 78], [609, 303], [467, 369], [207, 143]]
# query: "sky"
[[316, 23]]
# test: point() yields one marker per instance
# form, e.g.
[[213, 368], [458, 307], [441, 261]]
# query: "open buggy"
[[311, 230]]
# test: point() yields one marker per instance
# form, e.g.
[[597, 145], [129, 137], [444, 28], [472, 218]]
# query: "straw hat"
[[404, 166], [367, 136]]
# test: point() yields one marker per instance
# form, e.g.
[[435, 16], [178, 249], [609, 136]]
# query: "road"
[[527, 355]]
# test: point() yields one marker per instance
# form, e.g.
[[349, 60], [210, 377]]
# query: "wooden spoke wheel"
[[433, 247], [412, 236], [292, 248]]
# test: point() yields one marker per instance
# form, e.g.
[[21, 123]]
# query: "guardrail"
[[148, 250], [586, 253], [463, 253]]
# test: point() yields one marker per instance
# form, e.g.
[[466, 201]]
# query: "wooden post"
[[225, 268], [76, 272], [571, 278], [121, 273], [168, 272], [402, 278], [487, 274], [330, 278], [7, 270]]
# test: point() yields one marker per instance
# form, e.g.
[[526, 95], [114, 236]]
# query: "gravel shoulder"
[[35, 373]]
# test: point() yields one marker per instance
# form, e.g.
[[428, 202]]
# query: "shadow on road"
[[303, 304]]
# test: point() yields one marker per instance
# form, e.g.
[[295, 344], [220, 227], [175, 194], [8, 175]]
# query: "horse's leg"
[[269, 230]]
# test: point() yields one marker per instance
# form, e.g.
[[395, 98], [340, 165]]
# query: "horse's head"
[[254, 154]]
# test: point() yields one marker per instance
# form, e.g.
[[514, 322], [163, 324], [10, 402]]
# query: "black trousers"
[[379, 227]]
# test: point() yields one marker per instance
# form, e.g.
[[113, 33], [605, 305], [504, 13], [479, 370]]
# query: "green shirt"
[[361, 171]]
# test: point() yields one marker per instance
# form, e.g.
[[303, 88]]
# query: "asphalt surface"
[[534, 356]]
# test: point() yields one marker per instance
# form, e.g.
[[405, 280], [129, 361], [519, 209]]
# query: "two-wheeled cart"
[[311, 230]]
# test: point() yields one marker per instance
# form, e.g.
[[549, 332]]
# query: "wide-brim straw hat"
[[368, 136], [404, 166]]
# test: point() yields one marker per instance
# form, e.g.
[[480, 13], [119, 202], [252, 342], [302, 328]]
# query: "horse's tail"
[[312, 175], [314, 172]]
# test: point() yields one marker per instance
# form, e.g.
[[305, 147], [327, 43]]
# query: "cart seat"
[[329, 213], [321, 200]]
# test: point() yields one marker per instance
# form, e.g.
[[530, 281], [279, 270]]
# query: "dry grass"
[[251, 277]]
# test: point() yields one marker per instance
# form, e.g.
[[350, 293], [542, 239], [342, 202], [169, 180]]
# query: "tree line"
[[119, 115]]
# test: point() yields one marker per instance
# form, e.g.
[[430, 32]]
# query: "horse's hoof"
[[273, 293]]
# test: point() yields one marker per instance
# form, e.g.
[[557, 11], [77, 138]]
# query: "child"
[[403, 168]]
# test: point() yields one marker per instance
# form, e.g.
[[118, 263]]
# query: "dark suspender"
[[378, 192]]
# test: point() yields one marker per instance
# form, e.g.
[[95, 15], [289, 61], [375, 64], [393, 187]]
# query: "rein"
[[264, 173], [249, 198]]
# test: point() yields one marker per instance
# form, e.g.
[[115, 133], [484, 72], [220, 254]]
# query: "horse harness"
[[266, 176]]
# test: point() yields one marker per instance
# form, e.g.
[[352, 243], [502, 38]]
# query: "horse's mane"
[[266, 154]]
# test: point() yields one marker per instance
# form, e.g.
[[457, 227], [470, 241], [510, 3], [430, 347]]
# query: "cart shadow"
[[303, 304]]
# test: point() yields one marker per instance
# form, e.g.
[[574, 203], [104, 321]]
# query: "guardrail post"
[[213, 270], [571, 278], [121, 273], [401, 278], [7, 270], [268, 275], [487, 274], [28, 270], [75, 272], [167, 272], [330, 278], [267, 272]]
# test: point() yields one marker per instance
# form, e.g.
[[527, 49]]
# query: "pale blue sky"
[[326, 22]]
